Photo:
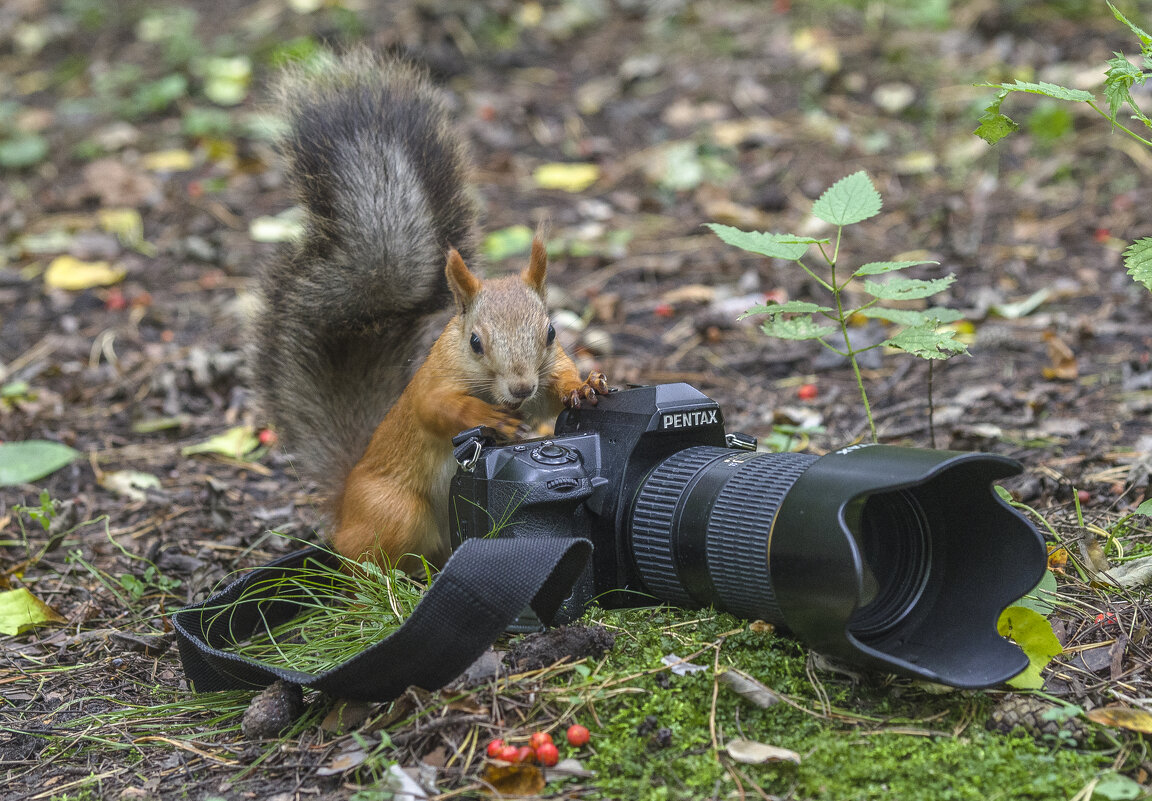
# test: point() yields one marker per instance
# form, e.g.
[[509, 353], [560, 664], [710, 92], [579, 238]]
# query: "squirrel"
[[339, 344]]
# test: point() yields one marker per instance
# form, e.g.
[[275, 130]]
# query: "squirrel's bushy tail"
[[347, 313]]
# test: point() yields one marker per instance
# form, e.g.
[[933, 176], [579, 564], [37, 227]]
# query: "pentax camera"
[[895, 558]]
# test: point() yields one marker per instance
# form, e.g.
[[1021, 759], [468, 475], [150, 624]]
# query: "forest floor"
[[134, 141]]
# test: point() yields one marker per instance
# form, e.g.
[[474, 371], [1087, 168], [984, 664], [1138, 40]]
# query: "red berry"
[[547, 754], [538, 739], [664, 310], [807, 392], [495, 747], [577, 735], [509, 753], [1083, 496], [525, 754], [267, 438]]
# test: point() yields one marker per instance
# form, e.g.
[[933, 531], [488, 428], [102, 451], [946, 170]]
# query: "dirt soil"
[[741, 113]]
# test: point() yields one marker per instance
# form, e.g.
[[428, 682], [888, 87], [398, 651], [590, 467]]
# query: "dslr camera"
[[895, 558]]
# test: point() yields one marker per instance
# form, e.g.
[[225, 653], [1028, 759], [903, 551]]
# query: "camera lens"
[[892, 533], [702, 530]]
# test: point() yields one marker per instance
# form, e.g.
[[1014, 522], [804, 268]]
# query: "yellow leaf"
[[127, 226], [567, 177], [20, 610], [175, 160], [1122, 717], [235, 443], [518, 779], [68, 272]]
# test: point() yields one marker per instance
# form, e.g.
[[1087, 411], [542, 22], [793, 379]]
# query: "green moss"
[[883, 740]]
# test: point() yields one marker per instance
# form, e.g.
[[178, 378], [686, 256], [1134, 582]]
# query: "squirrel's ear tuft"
[[464, 284], [537, 269]]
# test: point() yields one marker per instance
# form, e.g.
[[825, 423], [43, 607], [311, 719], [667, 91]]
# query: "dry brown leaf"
[[1063, 361], [1123, 718], [513, 779]]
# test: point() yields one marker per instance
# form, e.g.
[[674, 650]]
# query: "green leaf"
[[927, 342], [1116, 787], [1033, 633], [20, 611], [798, 328], [907, 288], [1145, 38], [994, 126], [791, 307], [1118, 82], [1145, 508], [935, 315], [32, 460], [235, 443], [1138, 260], [776, 246], [849, 200], [879, 267], [23, 150], [1046, 89], [506, 242], [1038, 598]]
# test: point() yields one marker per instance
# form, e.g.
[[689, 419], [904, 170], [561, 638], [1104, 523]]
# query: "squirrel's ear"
[[463, 283], [537, 269]]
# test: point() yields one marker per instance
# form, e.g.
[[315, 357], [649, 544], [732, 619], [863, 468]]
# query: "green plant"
[[1119, 79], [851, 200]]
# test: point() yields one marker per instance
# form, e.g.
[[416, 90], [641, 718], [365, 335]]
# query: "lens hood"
[[903, 559]]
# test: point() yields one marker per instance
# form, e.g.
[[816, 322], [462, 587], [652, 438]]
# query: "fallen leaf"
[[1122, 717], [679, 666], [175, 160], [513, 779], [749, 688], [70, 273], [31, 460], [281, 228], [505, 242], [751, 752], [567, 177], [1033, 633], [129, 483], [1063, 361], [344, 761], [234, 443], [20, 611], [1132, 575], [128, 227]]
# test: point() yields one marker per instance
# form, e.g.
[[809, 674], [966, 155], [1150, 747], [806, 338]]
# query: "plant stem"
[[849, 351], [1121, 126]]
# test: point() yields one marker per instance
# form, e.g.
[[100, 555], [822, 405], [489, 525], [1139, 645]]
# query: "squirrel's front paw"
[[595, 384], [508, 424]]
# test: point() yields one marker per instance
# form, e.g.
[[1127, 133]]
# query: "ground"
[[729, 112]]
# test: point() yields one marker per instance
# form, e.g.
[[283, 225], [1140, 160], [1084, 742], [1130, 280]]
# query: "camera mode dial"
[[551, 453]]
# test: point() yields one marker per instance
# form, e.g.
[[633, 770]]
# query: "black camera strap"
[[481, 590]]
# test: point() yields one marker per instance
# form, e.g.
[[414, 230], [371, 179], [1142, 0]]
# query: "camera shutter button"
[[551, 453]]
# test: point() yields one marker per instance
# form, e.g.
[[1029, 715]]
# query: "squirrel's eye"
[[477, 347], [551, 334]]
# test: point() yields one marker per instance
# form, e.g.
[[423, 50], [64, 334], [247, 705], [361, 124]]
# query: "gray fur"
[[347, 314]]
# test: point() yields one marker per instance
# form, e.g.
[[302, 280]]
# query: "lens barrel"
[[701, 524]]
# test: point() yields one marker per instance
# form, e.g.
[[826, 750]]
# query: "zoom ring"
[[660, 496]]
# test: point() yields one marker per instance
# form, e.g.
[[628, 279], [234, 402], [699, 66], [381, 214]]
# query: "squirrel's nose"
[[521, 391]]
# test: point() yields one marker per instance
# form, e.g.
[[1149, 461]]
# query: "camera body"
[[892, 557], [578, 482]]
